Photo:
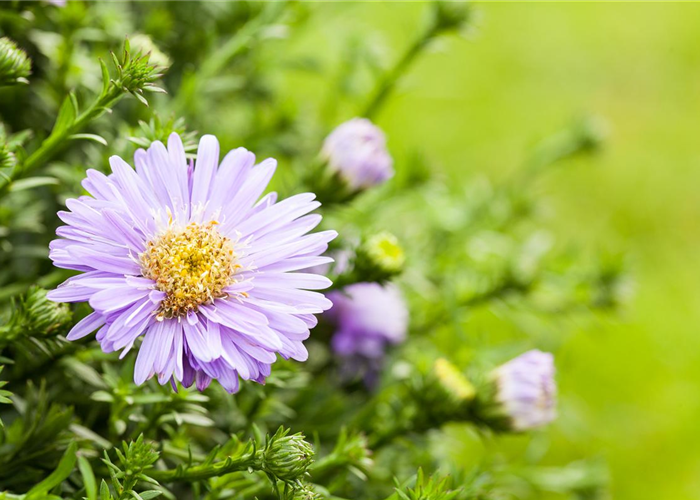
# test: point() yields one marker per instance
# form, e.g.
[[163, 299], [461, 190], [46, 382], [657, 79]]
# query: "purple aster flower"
[[187, 257], [368, 317], [526, 390], [356, 151]]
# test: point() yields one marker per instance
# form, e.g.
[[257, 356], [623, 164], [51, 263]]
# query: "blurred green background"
[[629, 386]]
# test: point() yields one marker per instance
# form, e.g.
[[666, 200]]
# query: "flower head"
[[356, 151], [526, 390], [186, 257], [368, 317]]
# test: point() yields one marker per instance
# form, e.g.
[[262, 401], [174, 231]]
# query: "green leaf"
[[88, 478], [102, 396], [105, 77], [187, 418], [74, 100], [141, 98], [32, 182], [147, 495], [150, 398], [104, 491], [90, 137], [64, 469], [66, 117], [85, 433], [84, 372], [153, 88]]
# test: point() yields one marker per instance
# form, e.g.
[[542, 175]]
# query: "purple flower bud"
[[356, 151], [526, 390]]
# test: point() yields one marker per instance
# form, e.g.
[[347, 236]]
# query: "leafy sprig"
[[134, 75]]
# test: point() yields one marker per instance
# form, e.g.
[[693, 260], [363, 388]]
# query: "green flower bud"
[[451, 15], [453, 381], [591, 132], [305, 492], [35, 315], [15, 66], [451, 393], [7, 157], [136, 73], [287, 457], [380, 257]]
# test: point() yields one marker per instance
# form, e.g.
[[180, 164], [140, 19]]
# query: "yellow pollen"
[[192, 265]]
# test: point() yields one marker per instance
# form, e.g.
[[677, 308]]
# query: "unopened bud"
[[287, 457], [524, 393], [379, 258], [15, 66], [452, 15], [356, 151]]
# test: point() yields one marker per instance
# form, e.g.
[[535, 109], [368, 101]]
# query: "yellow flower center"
[[192, 265]]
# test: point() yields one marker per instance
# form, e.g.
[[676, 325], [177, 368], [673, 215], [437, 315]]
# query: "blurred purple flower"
[[526, 390], [356, 150], [368, 317], [183, 256]]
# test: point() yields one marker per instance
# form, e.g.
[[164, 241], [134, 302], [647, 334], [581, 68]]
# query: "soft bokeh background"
[[478, 104]]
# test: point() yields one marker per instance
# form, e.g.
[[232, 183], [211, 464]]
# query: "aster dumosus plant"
[[181, 262], [190, 259]]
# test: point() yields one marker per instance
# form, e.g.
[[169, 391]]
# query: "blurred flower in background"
[[525, 391], [356, 151], [367, 317]]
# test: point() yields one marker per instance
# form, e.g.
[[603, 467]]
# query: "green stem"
[[56, 141], [388, 82], [200, 472]]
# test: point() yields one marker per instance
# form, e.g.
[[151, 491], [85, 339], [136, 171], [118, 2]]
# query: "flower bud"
[[356, 152], [7, 158], [35, 315], [305, 492], [287, 457], [14, 63], [455, 385], [379, 257], [445, 394], [524, 395], [452, 15]]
